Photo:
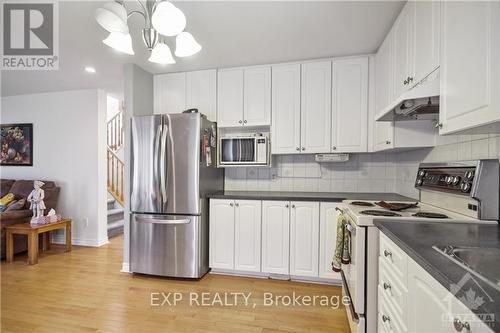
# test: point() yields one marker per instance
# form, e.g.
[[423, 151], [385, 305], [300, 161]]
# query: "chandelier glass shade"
[[161, 18]]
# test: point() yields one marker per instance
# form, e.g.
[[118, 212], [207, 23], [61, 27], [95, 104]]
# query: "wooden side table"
[[32, 231]]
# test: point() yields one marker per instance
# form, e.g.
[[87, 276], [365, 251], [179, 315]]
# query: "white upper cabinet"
[[402, 35], [201, 92], [247, 234], [230, 97], [328, 236], [470, 65], [426, 37], [350, 105], [383, 75], [276, 237], [244, 97], [257, 96], [221, 253], [304, 238], [316, 107], [285, 129], [169, 93]]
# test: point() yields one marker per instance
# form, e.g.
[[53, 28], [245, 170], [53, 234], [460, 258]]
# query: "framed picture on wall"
[[17, 144]]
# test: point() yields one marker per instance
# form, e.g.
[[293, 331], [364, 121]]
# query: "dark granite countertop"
[[307, 196], [417, 239]]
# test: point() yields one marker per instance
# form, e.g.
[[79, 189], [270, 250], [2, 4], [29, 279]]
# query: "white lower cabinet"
[[235, 231], [411, 300], [288, 238], [304, 238], [247, 234], [221, 252], [328, 215], [276, 237]]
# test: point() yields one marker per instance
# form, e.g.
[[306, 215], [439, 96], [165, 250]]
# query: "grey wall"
[[138, 96]]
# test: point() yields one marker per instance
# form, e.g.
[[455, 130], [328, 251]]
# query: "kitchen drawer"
[[394, 257], [393, 291], [393, 323]]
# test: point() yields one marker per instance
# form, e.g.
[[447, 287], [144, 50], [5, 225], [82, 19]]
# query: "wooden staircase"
[[116, 167], [116, 174]]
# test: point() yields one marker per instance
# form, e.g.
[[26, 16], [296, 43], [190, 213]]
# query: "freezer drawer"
[[169, 245]]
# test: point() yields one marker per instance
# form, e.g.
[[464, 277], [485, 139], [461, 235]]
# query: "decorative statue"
[[36, 199]]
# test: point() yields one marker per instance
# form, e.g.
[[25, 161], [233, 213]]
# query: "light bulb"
[[120, 42], [186, 45], [161, 54], [167, 19], [113, 17]]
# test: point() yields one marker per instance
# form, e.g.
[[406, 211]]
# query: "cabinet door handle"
[[231, 204], [386, 286], [293, 206], [459, 325], [237, 204], [388, 142], [334, 148], [439, 125], [405, 82], [386, 318], [303, 148], [240, 121], [387, 253], [244, 121], [297, 148], [287, 206]]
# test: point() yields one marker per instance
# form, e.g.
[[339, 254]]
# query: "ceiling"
[[232, 33]]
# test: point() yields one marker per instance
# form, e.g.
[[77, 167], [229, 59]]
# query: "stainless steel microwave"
[[244, 150]]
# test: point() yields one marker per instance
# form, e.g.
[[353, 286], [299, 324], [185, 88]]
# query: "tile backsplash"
[[362, 173], [370, 172]]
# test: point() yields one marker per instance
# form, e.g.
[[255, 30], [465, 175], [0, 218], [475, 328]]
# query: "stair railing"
[[116, 171], [115, 134]]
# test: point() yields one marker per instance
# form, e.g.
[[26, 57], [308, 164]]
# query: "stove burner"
[[362, 203], [430, 215], [376, 212]]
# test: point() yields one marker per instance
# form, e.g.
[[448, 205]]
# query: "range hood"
[[419, 103]]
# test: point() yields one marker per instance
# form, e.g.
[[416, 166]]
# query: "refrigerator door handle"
[[156, 148], [155, 220], [164, 172]]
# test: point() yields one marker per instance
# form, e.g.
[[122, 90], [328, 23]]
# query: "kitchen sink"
[[483, 262]]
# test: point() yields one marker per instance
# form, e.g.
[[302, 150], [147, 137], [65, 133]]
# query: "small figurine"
[[36, 199]]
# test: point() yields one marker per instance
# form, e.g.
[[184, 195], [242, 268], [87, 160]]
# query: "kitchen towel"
[[341, 255]]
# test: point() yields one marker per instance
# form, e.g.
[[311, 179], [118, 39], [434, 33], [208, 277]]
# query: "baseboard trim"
[[125, 268], [261, 275], [56, 239]]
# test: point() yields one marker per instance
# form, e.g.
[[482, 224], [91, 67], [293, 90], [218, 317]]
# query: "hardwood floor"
[[84, 291]]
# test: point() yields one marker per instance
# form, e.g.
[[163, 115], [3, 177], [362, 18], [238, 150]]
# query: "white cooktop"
[[406, 215]]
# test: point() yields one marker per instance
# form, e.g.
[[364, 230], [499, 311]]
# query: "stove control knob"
[[449, 180], [419, 182], [469, 175], [421, 173], [465, 187], [456, 180]]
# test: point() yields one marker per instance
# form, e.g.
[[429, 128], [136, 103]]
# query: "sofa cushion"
[[15, 215], [22, 188], [5, 185], [16, 205]]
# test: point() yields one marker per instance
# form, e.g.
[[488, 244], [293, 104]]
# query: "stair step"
[[111, 203], [115, 228], [115, 214]]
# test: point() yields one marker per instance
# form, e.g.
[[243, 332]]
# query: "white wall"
[[449, 148], [138, 95], [362, 173], [69, 142]]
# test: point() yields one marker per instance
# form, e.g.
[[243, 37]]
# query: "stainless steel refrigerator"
[[173, 167]]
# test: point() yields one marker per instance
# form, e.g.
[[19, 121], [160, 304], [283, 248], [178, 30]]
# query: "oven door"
[[353, 274], [238, 151]]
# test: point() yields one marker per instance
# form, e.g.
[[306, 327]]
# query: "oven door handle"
[[355, 316]]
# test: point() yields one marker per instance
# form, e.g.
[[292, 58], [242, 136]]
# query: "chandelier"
[[161, 18]]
